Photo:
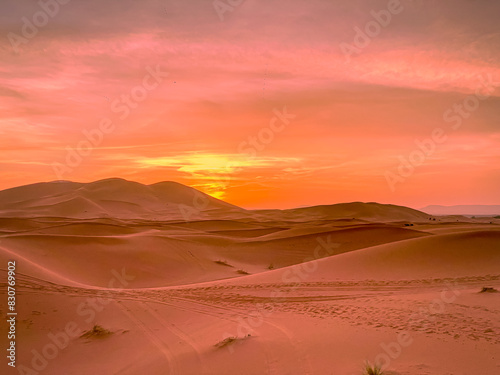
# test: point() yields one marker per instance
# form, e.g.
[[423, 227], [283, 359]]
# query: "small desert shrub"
[[372, 370], [243, 272], [271, 267], [488, 290], [229, 340], [225, 342], [222, 263], [97, 332]]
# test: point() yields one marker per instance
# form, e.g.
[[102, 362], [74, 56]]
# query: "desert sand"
[[116, 277]]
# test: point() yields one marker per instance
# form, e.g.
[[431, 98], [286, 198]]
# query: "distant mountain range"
[[466, 209]]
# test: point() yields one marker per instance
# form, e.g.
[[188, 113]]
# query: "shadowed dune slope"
[[474, 253], [150, 258], [86, 253]]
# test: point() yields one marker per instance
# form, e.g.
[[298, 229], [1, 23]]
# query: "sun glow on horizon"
[[195, 100]]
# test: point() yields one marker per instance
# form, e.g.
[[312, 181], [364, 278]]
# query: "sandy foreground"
[[107, 283]]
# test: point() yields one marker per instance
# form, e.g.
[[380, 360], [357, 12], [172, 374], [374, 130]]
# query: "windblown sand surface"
[[151, 283]]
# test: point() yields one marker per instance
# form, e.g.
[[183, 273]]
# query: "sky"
[[264, 104]]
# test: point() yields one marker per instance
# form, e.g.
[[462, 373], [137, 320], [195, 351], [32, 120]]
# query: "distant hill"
[[478, 210]]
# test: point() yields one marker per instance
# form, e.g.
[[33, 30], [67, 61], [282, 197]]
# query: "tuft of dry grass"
[[242, 272], [222, 263], [229, 340], [372, 369], [488, 290], [96, 332]]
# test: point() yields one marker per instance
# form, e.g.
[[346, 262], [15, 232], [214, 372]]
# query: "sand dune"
[[356, 210], [116, 198], [222, 290], [178, 253], [456, 255], [120, 198]]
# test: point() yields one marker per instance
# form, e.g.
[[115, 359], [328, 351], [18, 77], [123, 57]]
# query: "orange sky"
[[261, 108]]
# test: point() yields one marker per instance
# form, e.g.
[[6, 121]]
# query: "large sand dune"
[[115, 198]]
